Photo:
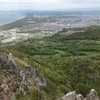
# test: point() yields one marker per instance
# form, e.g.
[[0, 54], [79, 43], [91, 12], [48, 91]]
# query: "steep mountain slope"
[[17, 83], [68, 62]]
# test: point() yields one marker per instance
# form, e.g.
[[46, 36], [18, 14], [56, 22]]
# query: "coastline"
[[12, 24]]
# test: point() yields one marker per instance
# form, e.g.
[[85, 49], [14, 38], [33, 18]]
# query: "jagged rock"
[[79, 97], [73, 96], [92, 95], [7, 63], [69, 96], [10, 57], [16, 79], [12, 97], [31, 76]]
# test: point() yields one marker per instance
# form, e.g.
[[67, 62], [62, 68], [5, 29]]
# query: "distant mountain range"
[[81, 10]]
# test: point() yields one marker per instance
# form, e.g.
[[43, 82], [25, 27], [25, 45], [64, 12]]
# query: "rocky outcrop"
[[31, 76], [92, 95], [7, 63], [73, 96], [69, 96], [15, 79]]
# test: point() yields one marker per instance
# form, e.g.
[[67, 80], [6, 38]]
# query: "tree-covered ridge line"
[[68, 62]]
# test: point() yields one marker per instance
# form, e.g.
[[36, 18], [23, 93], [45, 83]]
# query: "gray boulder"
[[92, 95], [73, 96]]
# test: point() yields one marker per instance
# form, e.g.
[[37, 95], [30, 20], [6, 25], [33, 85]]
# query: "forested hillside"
[[68, 62]]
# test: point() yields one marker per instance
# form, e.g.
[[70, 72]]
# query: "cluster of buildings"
[[45, 25], [57, 22]]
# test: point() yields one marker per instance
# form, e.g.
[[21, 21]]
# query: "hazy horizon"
[[7, 5]]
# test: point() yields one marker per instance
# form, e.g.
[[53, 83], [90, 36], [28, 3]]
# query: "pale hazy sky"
[[48, 4]]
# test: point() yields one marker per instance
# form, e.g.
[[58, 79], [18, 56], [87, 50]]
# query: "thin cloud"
[[47, 4]]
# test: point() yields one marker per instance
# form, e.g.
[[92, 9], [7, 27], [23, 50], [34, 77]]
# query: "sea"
[[9, 17]]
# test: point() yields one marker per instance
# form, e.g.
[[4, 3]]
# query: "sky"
[[48, 4]]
